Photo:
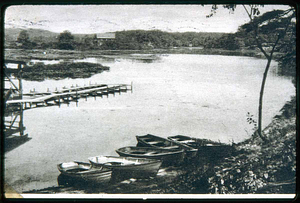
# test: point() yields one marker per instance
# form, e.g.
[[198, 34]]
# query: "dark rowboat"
[[129, 166], [166, 155], [85, 171], [163, 143], [205, 147]]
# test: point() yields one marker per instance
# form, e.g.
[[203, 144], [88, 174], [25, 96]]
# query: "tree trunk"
[[261, 94]]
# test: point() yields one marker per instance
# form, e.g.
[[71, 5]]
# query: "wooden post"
[[20, 81], [21, 125], [76, 98], [59, 101]]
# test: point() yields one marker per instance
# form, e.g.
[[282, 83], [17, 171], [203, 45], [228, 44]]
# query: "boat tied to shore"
[[186, 140], [163, 143], [85, 171], [128, 166], [168, 156]]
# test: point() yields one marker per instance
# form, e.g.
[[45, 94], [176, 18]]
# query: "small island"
[[40, 71]]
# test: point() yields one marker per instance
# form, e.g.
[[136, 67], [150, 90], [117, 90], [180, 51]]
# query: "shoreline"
[[56, 54], [252, 168]]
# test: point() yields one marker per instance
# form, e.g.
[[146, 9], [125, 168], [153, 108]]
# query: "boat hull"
[[187, 141], [162, 143], [128, 166], [85, 171], [167, 156]]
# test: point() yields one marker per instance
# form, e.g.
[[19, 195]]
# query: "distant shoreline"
[[56, 54]]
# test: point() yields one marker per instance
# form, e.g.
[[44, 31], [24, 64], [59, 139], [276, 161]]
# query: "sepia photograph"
[[147, 101]]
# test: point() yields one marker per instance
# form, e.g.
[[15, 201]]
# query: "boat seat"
[[154, 142], [149, 153], [187, 141], [171, 147]]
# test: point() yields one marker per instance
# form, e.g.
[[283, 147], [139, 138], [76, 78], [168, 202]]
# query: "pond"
[[203, 96]]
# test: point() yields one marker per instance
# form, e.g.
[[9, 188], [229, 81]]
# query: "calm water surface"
[[196, 95]]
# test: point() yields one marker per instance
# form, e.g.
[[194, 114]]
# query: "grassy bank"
[[254, 167]]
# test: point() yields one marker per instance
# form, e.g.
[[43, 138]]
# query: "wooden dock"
[[66, 95]]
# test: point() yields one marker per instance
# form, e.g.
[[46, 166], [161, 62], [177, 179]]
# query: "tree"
[[267, 29], [66, 40], [23, 38], [287, 61]]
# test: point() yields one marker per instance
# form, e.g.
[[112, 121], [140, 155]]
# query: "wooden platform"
[[66, 95]]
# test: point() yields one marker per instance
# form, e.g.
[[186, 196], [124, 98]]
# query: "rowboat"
[[128, 166], [186, 140], [85, 171], [163, 143], [166, 155], [206, 148]]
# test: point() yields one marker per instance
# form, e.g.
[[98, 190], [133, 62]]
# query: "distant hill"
[[13, 33]]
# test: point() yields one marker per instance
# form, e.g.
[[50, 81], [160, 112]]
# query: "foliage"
[[287, 61], [88, 42], [66, 40], [227, 41], [24, 40], [256, 167], [40, 71], [23, 37], [251, 121], [268, 27], [125, 40]]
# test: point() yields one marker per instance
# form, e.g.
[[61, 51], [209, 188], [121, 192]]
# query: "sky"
[[86, 19]]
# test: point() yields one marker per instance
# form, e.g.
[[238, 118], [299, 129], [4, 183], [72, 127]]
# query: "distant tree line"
[[124, 40], [139, 40]]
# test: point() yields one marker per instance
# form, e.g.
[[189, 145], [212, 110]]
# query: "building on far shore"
[[108, 36]]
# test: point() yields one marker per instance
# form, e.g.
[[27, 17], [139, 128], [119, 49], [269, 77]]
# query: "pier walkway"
[[66, 95]]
